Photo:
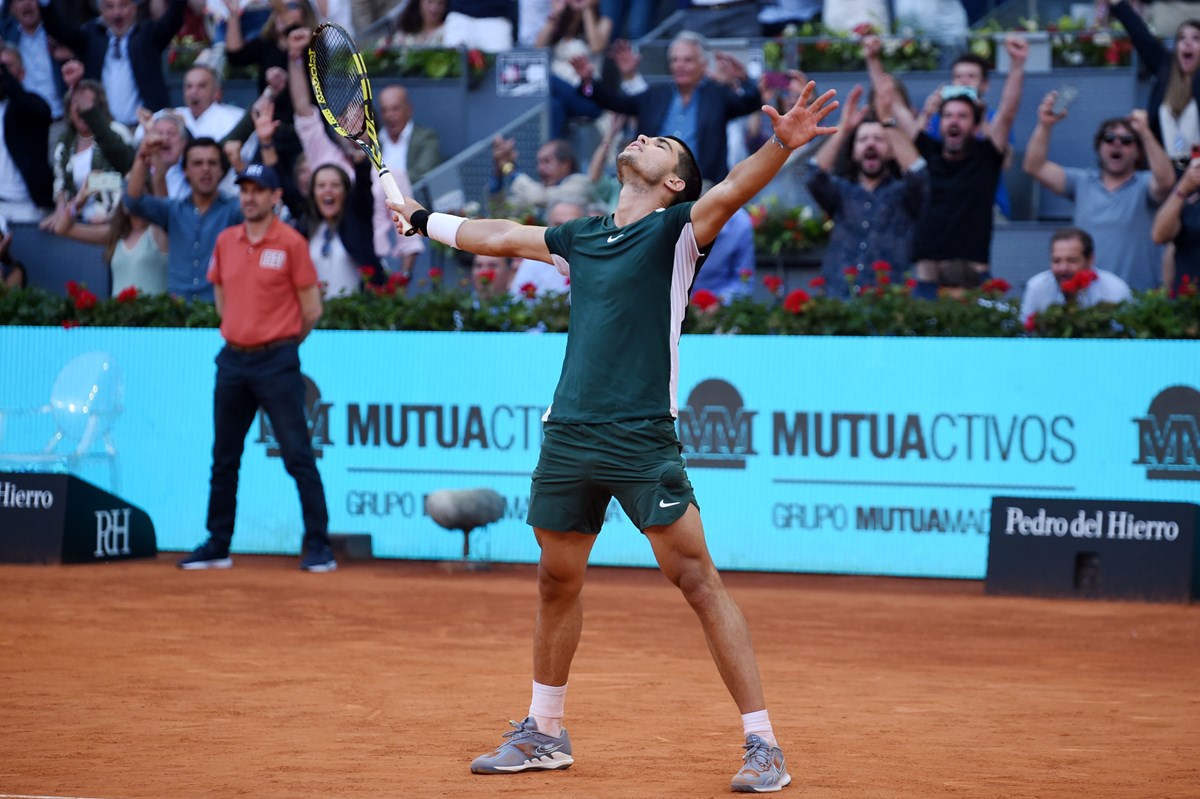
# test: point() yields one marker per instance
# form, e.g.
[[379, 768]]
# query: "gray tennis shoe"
[[524, 749], [763, 768]]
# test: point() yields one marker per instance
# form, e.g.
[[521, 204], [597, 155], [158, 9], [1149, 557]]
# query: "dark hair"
[[410, 17], [119, 227], [689, 172], [1082, 236], [1120, 122], [563, 151], [976, 108], [206, 141], [270, 31], [971, 58], [314, 212], [844, 162]]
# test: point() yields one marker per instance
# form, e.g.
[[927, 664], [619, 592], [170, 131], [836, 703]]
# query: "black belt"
[[270, 345]]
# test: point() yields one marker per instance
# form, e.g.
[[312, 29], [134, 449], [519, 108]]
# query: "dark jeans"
[[245, 381]]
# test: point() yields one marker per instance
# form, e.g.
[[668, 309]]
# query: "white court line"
[[32, 796]]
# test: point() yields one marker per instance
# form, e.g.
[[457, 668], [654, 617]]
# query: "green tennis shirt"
[[629, 294]]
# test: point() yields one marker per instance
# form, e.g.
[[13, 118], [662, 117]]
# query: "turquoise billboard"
[[847, 455]]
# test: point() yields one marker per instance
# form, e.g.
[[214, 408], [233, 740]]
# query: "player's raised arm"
[[501, 237], [794, 129]]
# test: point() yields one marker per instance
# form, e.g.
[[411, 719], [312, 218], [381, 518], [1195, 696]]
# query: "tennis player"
[[610, 430]]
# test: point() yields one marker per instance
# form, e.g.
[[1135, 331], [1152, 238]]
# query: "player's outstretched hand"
[[802, 123], [402, 214]]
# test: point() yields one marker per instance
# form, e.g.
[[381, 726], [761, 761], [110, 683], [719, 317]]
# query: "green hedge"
[[883, 311]]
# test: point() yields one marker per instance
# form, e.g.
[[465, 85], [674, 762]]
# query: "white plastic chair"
[[85, 401]]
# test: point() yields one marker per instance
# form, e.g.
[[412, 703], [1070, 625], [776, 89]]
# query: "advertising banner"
[[849, 455]]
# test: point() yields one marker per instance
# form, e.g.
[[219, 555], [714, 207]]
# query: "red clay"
[[137, 681]]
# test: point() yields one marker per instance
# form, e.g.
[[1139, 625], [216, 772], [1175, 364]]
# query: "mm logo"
[[316, 417], [715, 429], [1169, 435]]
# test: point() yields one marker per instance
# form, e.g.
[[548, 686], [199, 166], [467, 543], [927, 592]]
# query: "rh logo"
[[112, 532]]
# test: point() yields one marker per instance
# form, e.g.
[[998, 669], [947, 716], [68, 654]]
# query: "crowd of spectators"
[[95, 151]]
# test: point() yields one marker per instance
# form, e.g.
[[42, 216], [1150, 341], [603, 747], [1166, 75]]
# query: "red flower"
[[528, 291], [1112, 55], [1187, 286], [758, 215], [435, 274], [128, 295], [397, 281], [69, 323], [773, 283], [486, 276], [881, 266], [746, 275], [995, 285], [796, 300], [85, 300], [883, 279], [72, 288], [1031, 322], [851, 272], [366, 272], [817, 282], [1086, 277], [705, 299], [475, 60]]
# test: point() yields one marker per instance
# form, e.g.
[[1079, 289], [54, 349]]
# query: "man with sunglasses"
[[1115, 201]]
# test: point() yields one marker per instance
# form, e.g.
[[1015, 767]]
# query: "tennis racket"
[[343, 92]]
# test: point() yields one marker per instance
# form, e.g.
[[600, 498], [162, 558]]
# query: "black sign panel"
[[60, 518], [1093, 548]]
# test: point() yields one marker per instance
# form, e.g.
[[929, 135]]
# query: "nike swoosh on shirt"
[[611, 239], [664, 504]]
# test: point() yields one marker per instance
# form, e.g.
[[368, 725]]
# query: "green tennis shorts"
[[583, 466]]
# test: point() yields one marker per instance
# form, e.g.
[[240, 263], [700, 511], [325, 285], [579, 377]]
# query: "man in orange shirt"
[[268, 297]]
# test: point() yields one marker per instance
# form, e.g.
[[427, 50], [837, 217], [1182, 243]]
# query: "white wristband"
[[444, 228]]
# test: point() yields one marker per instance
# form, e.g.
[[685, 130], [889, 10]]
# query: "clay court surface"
[[137, 681]]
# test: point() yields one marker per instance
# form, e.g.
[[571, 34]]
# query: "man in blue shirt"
[[192, 223]]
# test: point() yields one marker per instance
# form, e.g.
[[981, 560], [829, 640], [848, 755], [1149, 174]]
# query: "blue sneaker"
[[206, 556], [763, 769], [526, 748], [318, 558]]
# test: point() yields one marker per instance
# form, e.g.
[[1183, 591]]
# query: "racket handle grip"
[[392, 190]]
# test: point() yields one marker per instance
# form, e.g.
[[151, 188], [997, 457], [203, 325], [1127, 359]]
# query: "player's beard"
[[627, 170]]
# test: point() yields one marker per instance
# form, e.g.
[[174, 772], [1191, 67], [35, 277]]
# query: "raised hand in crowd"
[[72, 73], [625, 57], [583, 68], [504, 155], [1017, 48], [1046, 115], [145, 118], [727, 70], [297, 42], [233, 152], [277, 81]]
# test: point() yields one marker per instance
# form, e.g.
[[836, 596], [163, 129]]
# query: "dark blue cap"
[[261, 174]]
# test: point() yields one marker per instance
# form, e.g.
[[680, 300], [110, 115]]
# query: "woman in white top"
[[134, 249], [573, 28], [339, 229]]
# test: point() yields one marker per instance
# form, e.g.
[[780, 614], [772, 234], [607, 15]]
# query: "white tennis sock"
[[546, 707], [758, 724]]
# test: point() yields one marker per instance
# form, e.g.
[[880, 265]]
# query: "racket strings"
[[341, 79]]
